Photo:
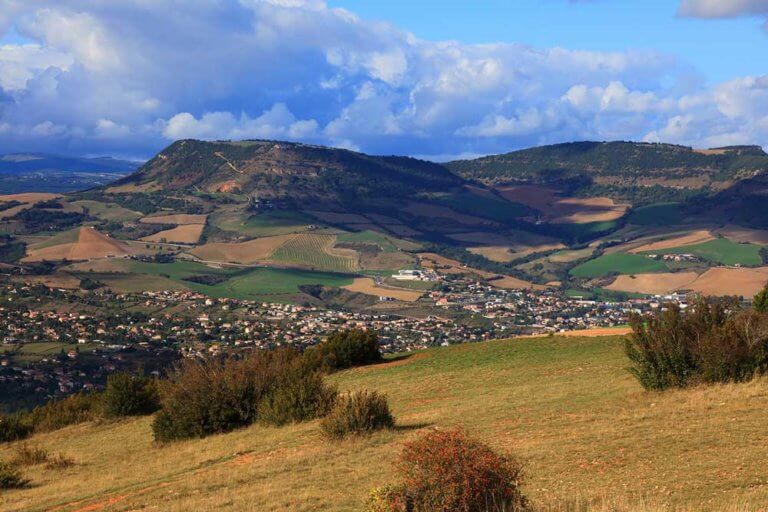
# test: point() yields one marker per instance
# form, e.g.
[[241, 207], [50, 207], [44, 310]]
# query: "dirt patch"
[[178, 219], [367, 286], [246, 252], [185, 234], [653, 284]]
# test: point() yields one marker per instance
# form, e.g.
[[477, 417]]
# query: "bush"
[[357, 413], [14, 427], [200, 398], [59, 461], [445, 471], [299, 394], [26, 455], [760, 302], [58, 414], [711, 341], [10, 477], [130, 395], [345, 349]]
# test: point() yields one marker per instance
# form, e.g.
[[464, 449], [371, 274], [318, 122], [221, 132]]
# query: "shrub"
[[760, 302], [26, 455], [346, 349], [711, 341], [10, 477], [130, 395], [200, 398], [299, 394], [59, 461], [445, 471], [14, 427], [357, 413], [73, 409]]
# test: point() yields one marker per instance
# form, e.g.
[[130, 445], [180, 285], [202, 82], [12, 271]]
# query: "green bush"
[[10, 477], [200, 398], [299, 394], [446, 471], [711, 341], [345, 349], [760, 302], [73, 409], [14, 427], [130, 395], [358, 413]]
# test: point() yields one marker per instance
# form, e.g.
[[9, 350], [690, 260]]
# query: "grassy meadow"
[[618, 263], [721, 251], [591, 440]]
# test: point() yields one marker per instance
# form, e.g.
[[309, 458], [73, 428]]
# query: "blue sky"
[[432, 79], [720, 49]]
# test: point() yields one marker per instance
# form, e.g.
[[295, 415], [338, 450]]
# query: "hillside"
[[587, 432], [628, 170]]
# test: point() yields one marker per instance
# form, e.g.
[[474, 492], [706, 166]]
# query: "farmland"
[[269, 223], [617, 264], [316, 252]]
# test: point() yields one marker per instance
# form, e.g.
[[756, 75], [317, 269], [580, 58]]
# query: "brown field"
[[430, 211], [367, 286], [654, 284], [744, 235], [90, 244], [494, 253], [58, 280], [710, 151], [557, 209], [132, 187], [184, 234], [10, 212], [29, 197], [695, 237], [721, 281], [513, 283], [338, 218], [449, 266], [249, 252], [504, 248], [385, 260], [177, 218]]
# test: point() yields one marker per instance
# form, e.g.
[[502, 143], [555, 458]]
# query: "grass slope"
[[608, 264], [721, 251], [566, 406]]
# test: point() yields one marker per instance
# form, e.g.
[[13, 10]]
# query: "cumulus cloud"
[[126, 78]]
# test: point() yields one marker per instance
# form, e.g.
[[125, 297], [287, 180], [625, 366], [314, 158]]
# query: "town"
[[56, 342]]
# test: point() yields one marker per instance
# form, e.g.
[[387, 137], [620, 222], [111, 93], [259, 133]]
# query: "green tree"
[[760, 302]]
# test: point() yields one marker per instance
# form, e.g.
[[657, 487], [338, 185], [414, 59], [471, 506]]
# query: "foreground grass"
[[588, 434]]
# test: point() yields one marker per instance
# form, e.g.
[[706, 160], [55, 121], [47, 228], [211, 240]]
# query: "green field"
[[313, 251], [369, 237], [584, 231], [721, 251], [589, 437], [268, 223], [65, 237], [267, 284], [659, 214], [108, 211], [473, 204], [609, 264]]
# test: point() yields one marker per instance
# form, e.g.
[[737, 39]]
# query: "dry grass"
[[90, 244], [29, 197], [249, 252], [745, 282], [184, 234], [590, 437], [178, 218], [557, 209], [367, 286], [653, 283]]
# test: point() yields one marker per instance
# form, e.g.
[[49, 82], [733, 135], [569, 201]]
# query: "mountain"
[[19, 163], [640, 172], [283, 170]]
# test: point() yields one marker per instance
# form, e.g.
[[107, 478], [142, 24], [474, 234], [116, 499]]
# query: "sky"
[[427, 78]]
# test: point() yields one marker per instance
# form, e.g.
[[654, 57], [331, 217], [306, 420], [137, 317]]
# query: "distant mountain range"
[[41, 172]]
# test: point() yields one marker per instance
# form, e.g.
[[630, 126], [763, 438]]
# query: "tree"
[[760, 302]]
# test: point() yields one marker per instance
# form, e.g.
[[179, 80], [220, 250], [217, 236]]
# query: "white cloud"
[[722, 8], [124, 77]]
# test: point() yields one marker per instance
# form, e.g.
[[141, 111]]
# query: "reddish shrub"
[[445, 471]]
